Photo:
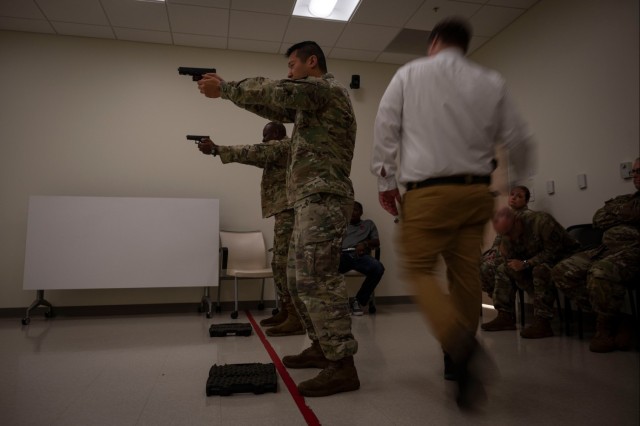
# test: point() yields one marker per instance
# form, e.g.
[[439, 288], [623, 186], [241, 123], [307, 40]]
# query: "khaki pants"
[[446, 220]]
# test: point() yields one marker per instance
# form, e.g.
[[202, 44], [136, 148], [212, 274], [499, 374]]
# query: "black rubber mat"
[[230, 329], [242, 378]]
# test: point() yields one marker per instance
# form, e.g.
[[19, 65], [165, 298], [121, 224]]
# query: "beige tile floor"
[[152, 370]]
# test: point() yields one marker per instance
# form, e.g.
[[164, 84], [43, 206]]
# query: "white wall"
[[94, 117], [97, 117], [573, 67]]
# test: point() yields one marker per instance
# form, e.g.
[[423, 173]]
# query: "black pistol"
[[196, 138], [195, 73]]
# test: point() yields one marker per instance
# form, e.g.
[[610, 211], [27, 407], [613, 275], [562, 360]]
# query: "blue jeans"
[[367, 265]]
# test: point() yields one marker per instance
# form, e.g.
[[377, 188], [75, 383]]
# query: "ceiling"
[[386, 31]]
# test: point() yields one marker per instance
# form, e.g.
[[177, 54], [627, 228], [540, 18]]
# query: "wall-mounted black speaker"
[[355, 81]]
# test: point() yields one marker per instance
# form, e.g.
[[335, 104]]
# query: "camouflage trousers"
[[597, 279], [317, 289], [535, 281], [282, 230], [491, 259]]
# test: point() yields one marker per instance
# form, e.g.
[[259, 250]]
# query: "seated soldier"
[[531, 244], [518, 201], [596, 279], [361, 237]]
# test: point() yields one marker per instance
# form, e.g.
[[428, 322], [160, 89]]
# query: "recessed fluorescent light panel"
[[335, 10]]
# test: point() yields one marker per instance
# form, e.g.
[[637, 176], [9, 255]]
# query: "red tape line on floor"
[[306, 412]]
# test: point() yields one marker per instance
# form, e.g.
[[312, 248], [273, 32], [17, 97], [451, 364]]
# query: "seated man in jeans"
[[361, 238]]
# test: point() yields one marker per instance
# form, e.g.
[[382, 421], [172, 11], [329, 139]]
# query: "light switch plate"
[[625, 170], [582, 181]]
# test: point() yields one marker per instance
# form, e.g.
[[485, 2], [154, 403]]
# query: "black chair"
[[521, 304], [589, 238]]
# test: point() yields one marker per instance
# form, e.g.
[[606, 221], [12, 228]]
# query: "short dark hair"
[[276, 130], [527, 193], [281, 131], [454, 31], [305, 49]]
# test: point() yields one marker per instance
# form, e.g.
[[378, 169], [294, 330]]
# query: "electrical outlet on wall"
[[625, 170]]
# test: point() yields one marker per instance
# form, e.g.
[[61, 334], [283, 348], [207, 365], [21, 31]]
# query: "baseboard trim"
[[162, 308]]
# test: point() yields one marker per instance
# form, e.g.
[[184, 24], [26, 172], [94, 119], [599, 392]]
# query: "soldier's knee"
[[604, 270]]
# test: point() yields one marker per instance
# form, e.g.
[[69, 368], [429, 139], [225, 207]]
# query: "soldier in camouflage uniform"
[[531, 244], [597, 279], [274, 203], [318, 184], [518, 201]]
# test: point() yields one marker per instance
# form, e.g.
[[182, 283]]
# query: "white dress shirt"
[[442, 116]]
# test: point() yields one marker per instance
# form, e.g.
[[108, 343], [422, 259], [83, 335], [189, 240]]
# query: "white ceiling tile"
[[353, 54], [221, 4], [137, 14], [162, 37], [366, 37], [200, 41], [20, 9], [199, 20], [490, 20], [285, 46], [476, 42], [28, 25], [396, 58], [390, 13], [321, 31], [78, 11], [278, 7], [254, 45], [426, 17], [522, 4], [83, 30], [257, 26]]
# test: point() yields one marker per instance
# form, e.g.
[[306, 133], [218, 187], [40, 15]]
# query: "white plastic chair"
[[244, 256]]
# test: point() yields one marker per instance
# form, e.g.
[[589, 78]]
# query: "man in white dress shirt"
[[436, 131]]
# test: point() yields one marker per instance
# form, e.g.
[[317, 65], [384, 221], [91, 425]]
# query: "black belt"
[[450, 180]]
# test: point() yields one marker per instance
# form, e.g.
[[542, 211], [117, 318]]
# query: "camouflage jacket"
[[498, 239], [542, 240], [273, 191], [324, 132], [620, 220]]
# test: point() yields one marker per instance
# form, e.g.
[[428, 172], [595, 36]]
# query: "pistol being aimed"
[[195, 73], [197, 138]]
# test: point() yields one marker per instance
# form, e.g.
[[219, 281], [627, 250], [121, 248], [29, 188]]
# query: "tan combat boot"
[[339, 376], [291, 326], [504, 321], [277, 319], [311, 357], [605, 337], [540, 328]]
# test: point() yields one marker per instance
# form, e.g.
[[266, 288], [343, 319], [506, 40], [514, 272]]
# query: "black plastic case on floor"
[[242, 378], [230, 329]]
